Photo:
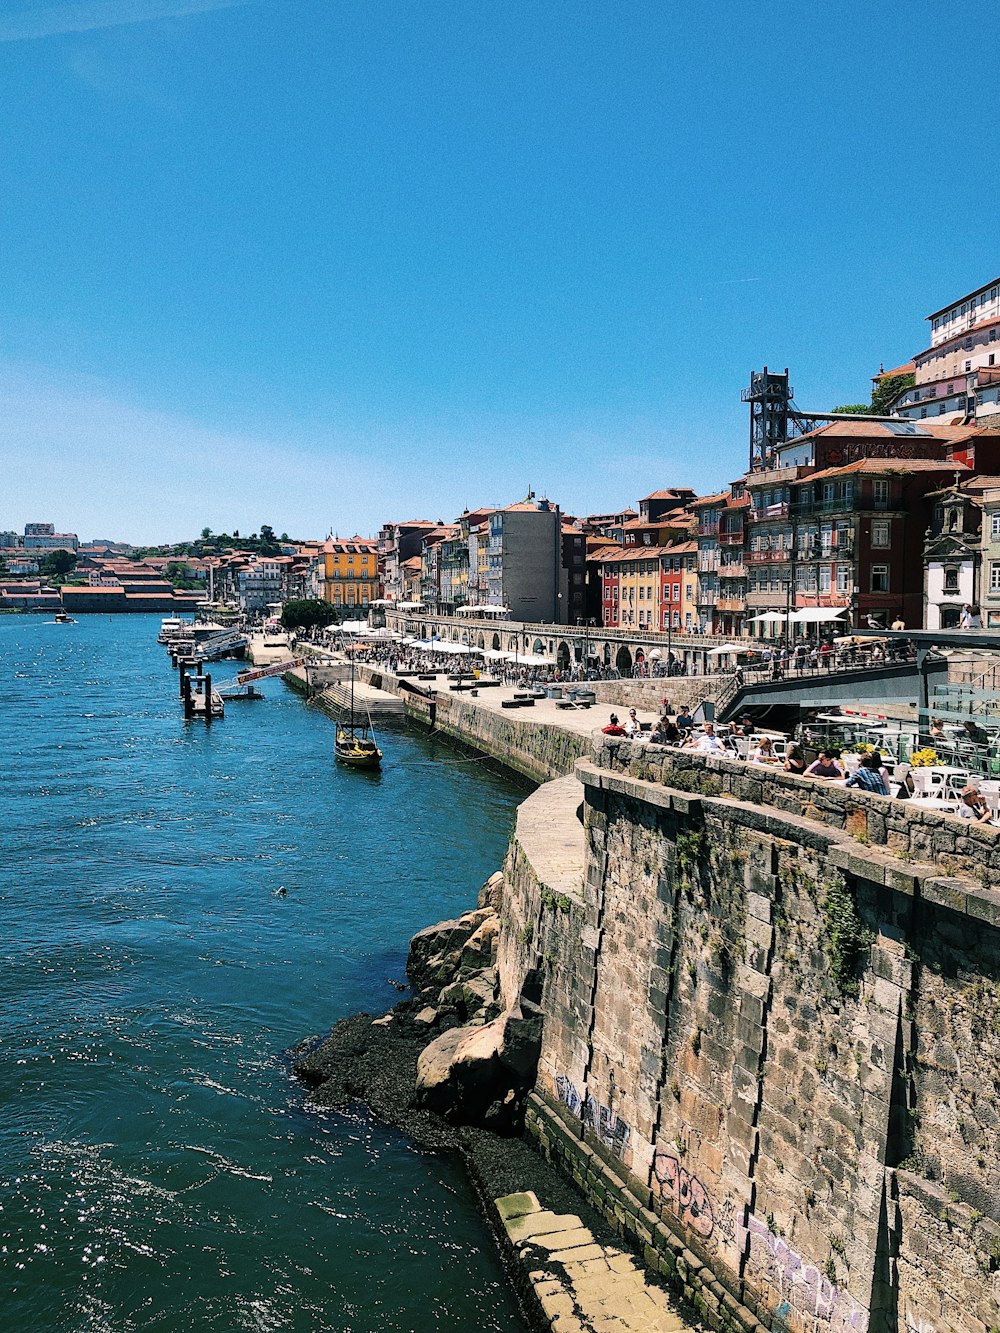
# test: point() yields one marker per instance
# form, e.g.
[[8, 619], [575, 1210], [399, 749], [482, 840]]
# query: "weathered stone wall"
[[955, 846], [771, 1050]]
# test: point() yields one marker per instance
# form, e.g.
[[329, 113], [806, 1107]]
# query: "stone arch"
[[496, 643], [623, 661], [480, 641], [563, 656], [538, 648], [607, 654], [465, 638]]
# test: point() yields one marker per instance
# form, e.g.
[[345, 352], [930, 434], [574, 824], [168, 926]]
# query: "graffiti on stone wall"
[[610, 1128], [801, 1285], [916, 1324], [684, 1193]]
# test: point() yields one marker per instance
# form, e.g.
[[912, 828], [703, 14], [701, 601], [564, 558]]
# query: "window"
[[880, 578], [880, 493], [951, 578], [968, 365], [995, 576], [824, 578], [880, 532], [844, 580], [995, 525]]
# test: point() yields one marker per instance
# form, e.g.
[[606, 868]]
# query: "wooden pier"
[[197, 695]]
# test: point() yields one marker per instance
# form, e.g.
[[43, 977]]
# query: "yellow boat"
[[356, 748], [355, 744]]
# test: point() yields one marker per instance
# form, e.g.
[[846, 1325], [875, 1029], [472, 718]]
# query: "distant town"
[[873, 514]]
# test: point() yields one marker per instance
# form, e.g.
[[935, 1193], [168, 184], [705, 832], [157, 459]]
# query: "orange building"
[[350, 572]]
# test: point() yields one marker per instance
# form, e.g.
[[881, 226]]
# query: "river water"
[[158, 1171]]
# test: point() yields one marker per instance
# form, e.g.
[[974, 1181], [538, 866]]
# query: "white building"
[[958, 375]]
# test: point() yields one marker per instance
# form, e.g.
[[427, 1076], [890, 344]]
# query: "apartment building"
[[958, 374]]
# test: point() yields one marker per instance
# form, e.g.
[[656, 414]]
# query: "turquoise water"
[[158, 1171]]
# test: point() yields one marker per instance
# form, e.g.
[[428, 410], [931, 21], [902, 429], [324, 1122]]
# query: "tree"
[[57, 564], [305, 613], [205, 534], [888, 390], [884, 394], [268, 545]]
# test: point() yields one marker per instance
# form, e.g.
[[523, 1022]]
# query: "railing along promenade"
[[590, 639]]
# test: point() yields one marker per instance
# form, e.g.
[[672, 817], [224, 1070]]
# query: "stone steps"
[[581, 1285]]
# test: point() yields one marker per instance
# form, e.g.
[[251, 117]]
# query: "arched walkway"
[[496, 643], [563, 657], [623, 661]]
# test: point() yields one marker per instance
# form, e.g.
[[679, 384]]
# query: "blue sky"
[[320, 263]]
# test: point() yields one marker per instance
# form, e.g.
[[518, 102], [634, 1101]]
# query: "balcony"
[[767, 557], [770, 514], [708, 529], [731, 604], [845, 551], [731, 538]]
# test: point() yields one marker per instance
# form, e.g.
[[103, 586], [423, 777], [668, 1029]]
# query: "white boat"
[[171, 627]]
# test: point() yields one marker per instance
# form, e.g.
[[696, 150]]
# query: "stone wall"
[[771, 1047], [535, 750]]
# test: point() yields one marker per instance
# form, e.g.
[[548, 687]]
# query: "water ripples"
[[157, 1170]]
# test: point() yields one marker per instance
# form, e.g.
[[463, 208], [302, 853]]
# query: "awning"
[[814, 615], [768, 618], [727, 648], [410, 606], [481, 609]]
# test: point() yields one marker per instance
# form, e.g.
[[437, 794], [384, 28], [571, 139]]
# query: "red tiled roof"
[[892, 465], [908, 368]]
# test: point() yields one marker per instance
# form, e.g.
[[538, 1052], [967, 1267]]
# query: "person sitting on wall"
[[632, 727], [614, 727], [684, 720], [825, 765]]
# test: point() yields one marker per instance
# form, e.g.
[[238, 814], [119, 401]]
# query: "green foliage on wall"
[[846, 936]]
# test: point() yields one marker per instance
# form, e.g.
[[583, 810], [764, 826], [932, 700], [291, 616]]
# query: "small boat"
[[355, 744], [63, 618]]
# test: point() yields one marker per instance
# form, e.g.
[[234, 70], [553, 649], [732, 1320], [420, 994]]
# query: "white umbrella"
[[768, 618], [727, 648]]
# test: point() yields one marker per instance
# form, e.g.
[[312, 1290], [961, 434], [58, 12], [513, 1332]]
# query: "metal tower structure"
[[775, 419]]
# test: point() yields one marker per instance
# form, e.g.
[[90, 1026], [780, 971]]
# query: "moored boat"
[[356, 746]]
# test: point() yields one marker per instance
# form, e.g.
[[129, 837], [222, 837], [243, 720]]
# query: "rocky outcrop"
[[475, 1059]]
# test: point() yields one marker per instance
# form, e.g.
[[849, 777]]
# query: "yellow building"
[[350, 572]]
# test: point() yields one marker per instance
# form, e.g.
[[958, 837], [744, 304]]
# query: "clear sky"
[[320, 263]]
